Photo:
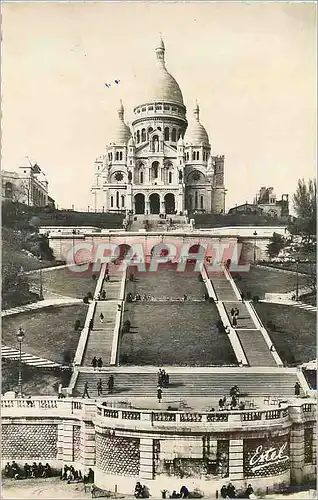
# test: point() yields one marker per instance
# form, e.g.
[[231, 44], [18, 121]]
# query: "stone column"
[[236, 460], [147, 207], [88, 451], [162, 207], [129, 198], [65, 442], [146, 458], [297, 453]]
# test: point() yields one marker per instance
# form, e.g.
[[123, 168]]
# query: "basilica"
[[163, 163]]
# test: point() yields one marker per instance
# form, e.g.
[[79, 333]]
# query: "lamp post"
[[297, 280], [41, 280], [254, 257], [20, 337]]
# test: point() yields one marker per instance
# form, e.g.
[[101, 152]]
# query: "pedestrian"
[[236, 312], [297, 389], [59, 391], [232, 311], [100, 363], [94, 362], [103, 294], [185, 297], [85, 393], [242, 296], [100, 387], [107, 277], [118, 307], [101, 318], [159, 394], [234, 321], [160, 377], [110, 384], [98, 296]]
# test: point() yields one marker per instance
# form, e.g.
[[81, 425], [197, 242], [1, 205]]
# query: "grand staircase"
[[191, 384]]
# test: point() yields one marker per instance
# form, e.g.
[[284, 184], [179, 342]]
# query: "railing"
[[119, 313], [89, 409]]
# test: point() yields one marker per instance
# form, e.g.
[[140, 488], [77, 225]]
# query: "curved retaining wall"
[[268, 448]]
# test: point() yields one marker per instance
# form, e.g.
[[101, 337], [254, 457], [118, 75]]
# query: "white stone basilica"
[[162, 165]]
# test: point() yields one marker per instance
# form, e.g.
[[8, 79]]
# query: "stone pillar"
[[162, 207], [297, 453], [65, 442], [129, 198], [147, 207], [236, 460], [88, 451], [146, 458]]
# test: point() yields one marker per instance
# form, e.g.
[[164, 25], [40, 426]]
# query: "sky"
[[251, 66]]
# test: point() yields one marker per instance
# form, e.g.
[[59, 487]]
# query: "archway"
[[139, 203], [170, 204], [154, 203]]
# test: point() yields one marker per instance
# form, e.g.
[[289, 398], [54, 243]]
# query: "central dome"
[[163, 87]]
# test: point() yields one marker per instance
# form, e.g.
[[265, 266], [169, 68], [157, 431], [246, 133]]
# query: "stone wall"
[[29, 442], [118, 455]]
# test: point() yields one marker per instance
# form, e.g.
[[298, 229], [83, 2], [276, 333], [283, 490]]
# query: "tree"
[[304, 201], [276, 245]]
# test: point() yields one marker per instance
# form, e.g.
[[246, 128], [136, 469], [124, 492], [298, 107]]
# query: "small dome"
[[196, 133], [163, 87], [121, 132]]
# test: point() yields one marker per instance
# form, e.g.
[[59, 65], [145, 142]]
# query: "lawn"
[[175, 333], [259, 281], [37, 381], [167, 283], [295, 338], [66, 282], [49, 333]]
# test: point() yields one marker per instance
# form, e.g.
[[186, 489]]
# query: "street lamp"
[[20, 337], [254, 234], [297, 281], [41, 280]]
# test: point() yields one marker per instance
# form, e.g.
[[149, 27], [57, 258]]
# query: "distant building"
[[28, 186], [265, 203], [267, 200], [161, 164]]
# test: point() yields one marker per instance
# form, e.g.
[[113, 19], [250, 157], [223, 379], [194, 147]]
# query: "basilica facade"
[[163, 164]]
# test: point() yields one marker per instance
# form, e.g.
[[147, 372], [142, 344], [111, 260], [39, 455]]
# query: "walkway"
[[41, 305], [250, 333], [29, 359]]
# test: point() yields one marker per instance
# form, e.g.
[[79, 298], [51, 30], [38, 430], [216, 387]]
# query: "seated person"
[[231, 491], [184, 492], [249, 491], [224, 491], [138, 490], [7, 470]]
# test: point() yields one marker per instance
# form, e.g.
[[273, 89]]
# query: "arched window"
[[8, 190], [196, 199], [198, 155], [174, 135], [167, 134], [122, 200], [111, 201], [150, 130], [201, 202], [143, 135], [117, 199], [170, 177], [117, 155], [193, 155], [141, 177], [138, 136], [154, 169]]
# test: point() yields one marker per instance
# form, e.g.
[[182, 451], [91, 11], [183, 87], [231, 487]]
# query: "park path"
[[41, 305]]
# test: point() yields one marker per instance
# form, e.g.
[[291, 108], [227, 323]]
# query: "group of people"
[[101, 295], [234, 315], [163, 378], [110, 386], [229, 491], [29, 471], [234, 403], [141, 491], [184, 493], [70, 474], [97, 363]]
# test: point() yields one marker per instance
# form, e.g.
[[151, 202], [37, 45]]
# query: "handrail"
[[119, 313]]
